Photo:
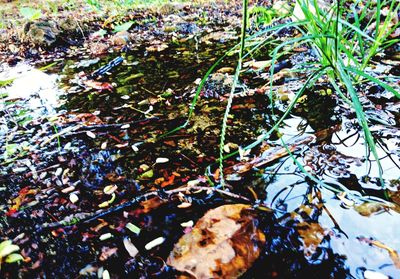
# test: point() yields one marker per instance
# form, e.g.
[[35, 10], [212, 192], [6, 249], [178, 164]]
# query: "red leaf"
[[98, 85]]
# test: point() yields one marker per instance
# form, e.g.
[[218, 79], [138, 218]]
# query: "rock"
[[121, 38], [98, 48], [68, 25], [42, 33], [218, 85]]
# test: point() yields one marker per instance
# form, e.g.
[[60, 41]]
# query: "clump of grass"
[[343, 49]]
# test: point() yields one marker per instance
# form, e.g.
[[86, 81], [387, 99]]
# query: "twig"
[[117, 125], [89, 217]]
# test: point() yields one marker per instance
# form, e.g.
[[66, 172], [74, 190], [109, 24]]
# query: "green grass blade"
[[230, 98], [361, 118], [373, 79]]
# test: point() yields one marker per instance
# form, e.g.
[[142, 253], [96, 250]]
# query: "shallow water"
[[152, 92]]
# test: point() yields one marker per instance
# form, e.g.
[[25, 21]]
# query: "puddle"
[[101, 138]]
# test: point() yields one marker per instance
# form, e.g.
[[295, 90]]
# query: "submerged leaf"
[[8, 249], [132, 250], [312, 234], [224, 243], [156, 242], [133, 228], [14, 258]]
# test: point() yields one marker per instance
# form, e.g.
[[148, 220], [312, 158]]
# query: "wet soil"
[[63, 138]]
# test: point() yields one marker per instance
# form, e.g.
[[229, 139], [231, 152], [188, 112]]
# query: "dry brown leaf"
[[149, 205], [369, 208], [107, 252], [394, 256], [224, 243]]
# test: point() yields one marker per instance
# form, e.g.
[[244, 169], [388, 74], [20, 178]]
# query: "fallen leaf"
[[21, 199], [161, 160], [150, 205], [73, 198], [369, 208], [312, 235], [258, 65], [184, 205], [108, 190], [132, 250], [187, 224], [91, 134], [226, 70], [156, 48], [107, 252], [224, 243], [105, 236], [170, 181], [88, 270], [6, 248], [106, 274], [14, 258], [156, 242], [146, 175], [101, 86], [133, 228]]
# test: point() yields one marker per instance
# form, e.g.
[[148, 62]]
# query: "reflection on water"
[[32, 93]]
